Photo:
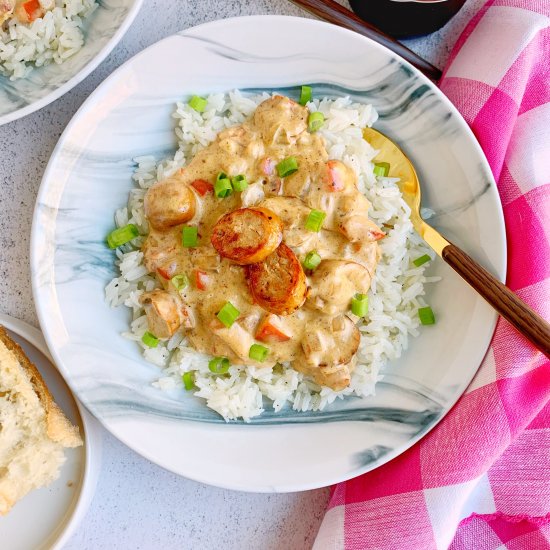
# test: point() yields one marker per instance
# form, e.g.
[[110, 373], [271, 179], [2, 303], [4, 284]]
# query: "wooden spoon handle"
[[331, 11], [519, 314]]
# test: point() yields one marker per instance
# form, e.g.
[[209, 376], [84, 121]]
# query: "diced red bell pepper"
[[33, 9], [167, 271], [267, 331], [375, 234], [202, 187], [201, 279], [163, 273]]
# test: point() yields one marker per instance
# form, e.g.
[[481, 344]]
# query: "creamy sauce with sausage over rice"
[[251, 256], [251, 251]]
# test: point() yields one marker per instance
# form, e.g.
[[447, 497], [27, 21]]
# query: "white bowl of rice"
[[48, 46], [263, 429]]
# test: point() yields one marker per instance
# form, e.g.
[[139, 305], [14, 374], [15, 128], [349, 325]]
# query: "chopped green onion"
[[221, 176], [198, 103], [222, 186], [315, 220], [422, 260], [305, 94], [312, 260], [219, 365], [188, 379], [360, 305], [180, 281], [258, 353], [315, 121], [122, 235], [190, 236], [228, 314], [287, 167], [239, 183], [150, 340], [426, 315], [381, 169]]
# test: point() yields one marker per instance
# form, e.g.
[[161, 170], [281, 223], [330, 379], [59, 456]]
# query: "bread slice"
[[33, 429]]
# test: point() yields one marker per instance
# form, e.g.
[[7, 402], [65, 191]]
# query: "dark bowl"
[[406, 18]]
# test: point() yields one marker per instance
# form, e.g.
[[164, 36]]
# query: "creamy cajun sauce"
[[323, 337]]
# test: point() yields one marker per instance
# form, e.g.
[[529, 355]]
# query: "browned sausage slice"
[[247, 235], [278, 284], [168, 203]]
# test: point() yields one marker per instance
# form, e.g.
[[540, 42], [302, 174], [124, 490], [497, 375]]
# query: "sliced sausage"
[[335, 282], [165, 313], [278, 284], [168, 203], [248, 235]]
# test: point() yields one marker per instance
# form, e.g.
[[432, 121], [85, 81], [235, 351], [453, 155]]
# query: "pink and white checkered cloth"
[[482, 485]]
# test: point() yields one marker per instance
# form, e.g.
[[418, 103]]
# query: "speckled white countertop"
[[138, 505]]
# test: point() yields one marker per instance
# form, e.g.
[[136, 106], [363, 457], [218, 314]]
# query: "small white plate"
[[47, 517]]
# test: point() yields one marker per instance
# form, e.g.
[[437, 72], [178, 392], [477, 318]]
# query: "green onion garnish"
[[381, 169], [180, 281], [360, 305], [312, 260], [315, 220], [315, 121], [287, 167], [426, 315], [150, 340], [228, 314], [222, 186], [422, 260], [198, 103], [258, 352], [188, 379], [122, 235], [305, 95], [219, 365], [239, 183], [190, 236]]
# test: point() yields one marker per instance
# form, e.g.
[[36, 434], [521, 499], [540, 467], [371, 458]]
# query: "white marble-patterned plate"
[[46, 518], [103, 30], [89, 177]]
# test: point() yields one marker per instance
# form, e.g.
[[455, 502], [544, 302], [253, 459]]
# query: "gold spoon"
[[501, 298]]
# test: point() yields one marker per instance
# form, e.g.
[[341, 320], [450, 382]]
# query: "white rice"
[[49, 39], [394, 299]]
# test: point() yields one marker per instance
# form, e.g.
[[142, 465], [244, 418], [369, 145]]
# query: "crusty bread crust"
[[59, 428]]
